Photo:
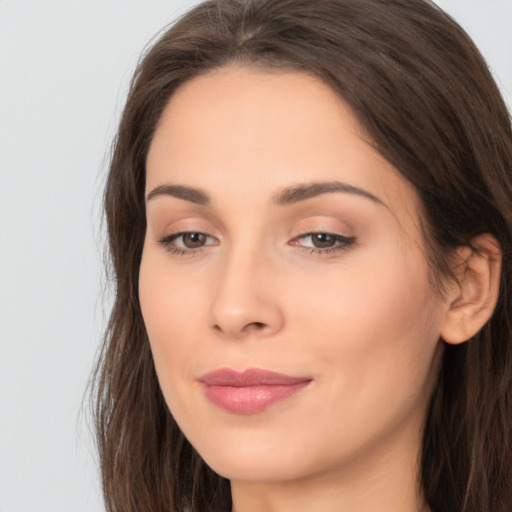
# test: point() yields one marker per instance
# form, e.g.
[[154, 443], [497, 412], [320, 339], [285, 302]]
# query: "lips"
[[251, 391]]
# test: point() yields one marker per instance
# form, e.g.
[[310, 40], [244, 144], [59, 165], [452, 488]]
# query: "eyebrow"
[[289, 195], [301, 192], [193, 195]]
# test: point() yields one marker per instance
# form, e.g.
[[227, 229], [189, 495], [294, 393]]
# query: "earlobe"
[[473, 297]]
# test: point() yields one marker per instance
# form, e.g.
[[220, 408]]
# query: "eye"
[[192, 240], [323, 242], [186, 242]]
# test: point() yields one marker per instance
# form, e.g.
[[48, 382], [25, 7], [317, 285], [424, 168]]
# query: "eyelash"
[[166, 242], [342, 243]]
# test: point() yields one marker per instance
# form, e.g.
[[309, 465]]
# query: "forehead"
[[241, 129]]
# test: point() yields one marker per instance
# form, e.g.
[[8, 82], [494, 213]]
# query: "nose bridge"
[[245, 300]]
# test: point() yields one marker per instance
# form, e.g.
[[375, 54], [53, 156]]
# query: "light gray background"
[[64, 70]]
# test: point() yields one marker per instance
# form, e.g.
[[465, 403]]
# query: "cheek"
[[171, 310], [375, 324]]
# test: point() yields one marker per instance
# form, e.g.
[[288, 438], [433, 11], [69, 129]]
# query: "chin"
[[246, 454], [260, 469]]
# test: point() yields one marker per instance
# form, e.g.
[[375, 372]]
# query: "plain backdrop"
[[64, 71]]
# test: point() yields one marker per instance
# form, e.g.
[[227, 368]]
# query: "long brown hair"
[[420, 88]]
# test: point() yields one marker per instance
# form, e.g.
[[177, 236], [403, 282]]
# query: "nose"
[[246, 299]]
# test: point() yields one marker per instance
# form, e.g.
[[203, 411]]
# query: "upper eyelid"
[[343, 233], [194, 222], [323, 232]]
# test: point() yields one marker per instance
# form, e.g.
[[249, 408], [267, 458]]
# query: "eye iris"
[[194, 240], [323, 240]]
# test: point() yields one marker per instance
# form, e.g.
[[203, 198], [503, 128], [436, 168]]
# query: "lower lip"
[[251, 399]]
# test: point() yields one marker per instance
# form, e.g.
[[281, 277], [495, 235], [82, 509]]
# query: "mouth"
[[251, 391]]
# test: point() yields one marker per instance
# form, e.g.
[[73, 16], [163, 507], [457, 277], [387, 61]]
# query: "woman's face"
[[278, 239]]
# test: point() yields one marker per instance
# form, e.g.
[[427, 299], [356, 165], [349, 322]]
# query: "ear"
[[472, 299]]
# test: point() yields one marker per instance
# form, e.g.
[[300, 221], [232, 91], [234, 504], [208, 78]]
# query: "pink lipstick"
[[250, 391]]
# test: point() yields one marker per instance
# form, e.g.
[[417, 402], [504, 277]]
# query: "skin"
[[362, 322]]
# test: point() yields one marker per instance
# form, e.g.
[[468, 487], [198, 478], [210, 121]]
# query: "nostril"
[[250, 326], [256, 325]]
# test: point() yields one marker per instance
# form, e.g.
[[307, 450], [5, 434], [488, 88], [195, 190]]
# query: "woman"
[[310, 226]]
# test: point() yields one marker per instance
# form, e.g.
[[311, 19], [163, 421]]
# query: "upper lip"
[[249, 377]]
